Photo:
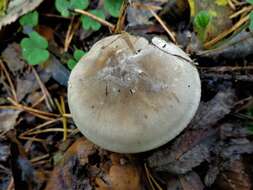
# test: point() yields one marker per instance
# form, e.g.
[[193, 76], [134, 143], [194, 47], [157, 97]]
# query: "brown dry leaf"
[[122, 175], [24, 174], [71, 172], [28, 83], [211, 112], [17, 8], [124, 178], [12, 56], [191, 181], [46, 32], [189, 150], [234, 177], [8, 119]]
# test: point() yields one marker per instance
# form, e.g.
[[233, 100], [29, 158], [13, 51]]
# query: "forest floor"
[[40, 146]]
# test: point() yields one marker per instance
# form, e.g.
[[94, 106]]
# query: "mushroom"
[[128, 95]]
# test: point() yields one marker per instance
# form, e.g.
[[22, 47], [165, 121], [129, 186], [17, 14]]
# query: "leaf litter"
[[214, 152]]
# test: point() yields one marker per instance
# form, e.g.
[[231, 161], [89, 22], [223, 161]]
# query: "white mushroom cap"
[[128, 95]]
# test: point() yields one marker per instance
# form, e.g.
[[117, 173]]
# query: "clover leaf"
[[30, 19], [201, 23], [113, 7], [251, 21], [250, 1], [202, 19], [78, 54], [88, 23], [63, 6], [34, 49]]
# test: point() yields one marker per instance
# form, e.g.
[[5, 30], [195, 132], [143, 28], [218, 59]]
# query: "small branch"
[[94, 17], [227, 32], [151, 9], [31, 110], [48, 98], [13, 91]]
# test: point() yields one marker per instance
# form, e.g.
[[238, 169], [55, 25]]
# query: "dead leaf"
[[211, 112], [124, 178], [4, 152], [8, 119], [12, 56], [234, 177], [183, 144], [71, 172], [17, 8], [236, 47], [190, 159], [28, 83], [191, 181]]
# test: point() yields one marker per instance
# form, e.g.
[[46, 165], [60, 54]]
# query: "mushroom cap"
[[128, 95]]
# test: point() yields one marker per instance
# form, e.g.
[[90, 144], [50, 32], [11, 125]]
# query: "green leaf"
[[71, 63], [90, 24], [3, 7], [79, 4], [113, 7], [202, 19], [251, 21], [34, 49], [250, 1], [30, 19], [221, 2], [38, 40], [78, 54], [63, 6]]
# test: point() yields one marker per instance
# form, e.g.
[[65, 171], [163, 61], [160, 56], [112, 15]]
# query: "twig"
[[151, 179], [243, 10], [122, 16], [231, 5], [171, 34], [21, 109], [41, 99], [45, 124], [26, 108], [62, 110], [11, 184], [55, 16], [48, 98], [94, 17], [49, 130], [39, 158], [33, 139], [227, 32], [13, 91], [75, 27], [67, 40], [227, 68], [68, 115]]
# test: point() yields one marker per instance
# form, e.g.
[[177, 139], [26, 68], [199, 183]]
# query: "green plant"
[[34, 48], [78, 54], [250, 1], [63, 6], [113, 7], [251, 17], [30, 19], [88, 23], [201, 22]]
